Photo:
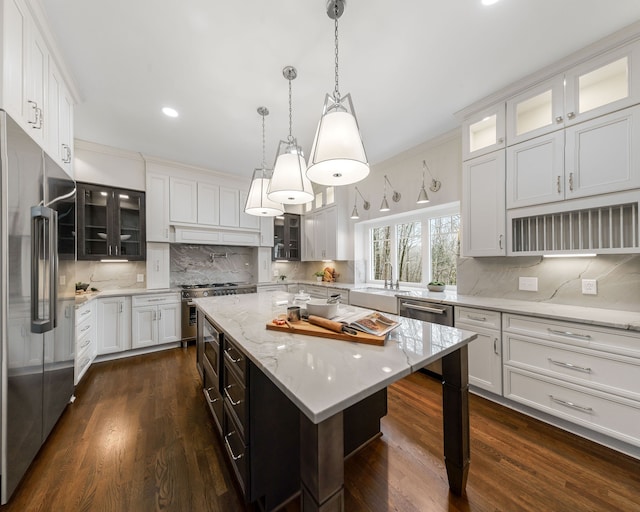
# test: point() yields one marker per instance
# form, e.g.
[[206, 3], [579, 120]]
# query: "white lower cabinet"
[[114, 324], [86, 342], [485, 352], [583, 374], [155, 319]]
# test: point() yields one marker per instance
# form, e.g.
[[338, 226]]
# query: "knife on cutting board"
[[331, 325]]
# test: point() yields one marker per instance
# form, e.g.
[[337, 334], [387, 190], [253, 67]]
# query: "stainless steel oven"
[[427, 312], [196, 291]]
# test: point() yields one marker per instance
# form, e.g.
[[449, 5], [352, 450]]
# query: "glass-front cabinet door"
[[484, 132], [110, 223], [603, 84]]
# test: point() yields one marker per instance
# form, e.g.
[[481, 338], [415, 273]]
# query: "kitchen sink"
[[380, 299]]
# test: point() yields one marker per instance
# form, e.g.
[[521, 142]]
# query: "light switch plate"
[[141, 278], [589, 287], [528, 284]]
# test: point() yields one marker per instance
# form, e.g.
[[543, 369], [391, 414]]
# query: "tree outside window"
[[409, 257], [381, 250], [443, 237]]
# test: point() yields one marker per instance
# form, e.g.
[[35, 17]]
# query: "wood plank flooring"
[[139, 438]]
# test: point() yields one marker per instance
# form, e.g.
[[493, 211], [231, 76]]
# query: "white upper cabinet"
[[483, 205], [535, 171], [536, 111], [484, 132], [14, 29], [588, 159], [229, 207], [594, 88], [603, 84], [157, 204], [183, 200], [59, 119], [601, 155], [208, 204]]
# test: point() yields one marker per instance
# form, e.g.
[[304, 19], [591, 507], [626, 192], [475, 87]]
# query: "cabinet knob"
[[559, 119], [571, 115], [501, 140]]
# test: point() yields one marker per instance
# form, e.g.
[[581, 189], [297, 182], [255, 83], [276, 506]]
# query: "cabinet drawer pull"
[[226, 441], [85, 312], [569, 334], [437, 311], [234, 361], [226, 392], [571, 181], [477, 318], [495, 346], [85, 343], [500, 241], [571, 404], [85, 328], [211, 400], [570, 366], [558, 184]]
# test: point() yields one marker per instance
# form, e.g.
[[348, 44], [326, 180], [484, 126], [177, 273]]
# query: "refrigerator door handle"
[[44, 263]]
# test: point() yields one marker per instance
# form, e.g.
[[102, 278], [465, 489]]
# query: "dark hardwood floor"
[[139, 438]]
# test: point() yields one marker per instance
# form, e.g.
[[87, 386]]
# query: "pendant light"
[[337, 155], [289, 183], [257, 201]]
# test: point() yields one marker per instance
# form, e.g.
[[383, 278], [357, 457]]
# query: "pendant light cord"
[[264, 159], [336, 92], [290, 115]]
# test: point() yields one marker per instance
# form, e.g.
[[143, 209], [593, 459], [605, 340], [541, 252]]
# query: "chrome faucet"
[[384, 271]]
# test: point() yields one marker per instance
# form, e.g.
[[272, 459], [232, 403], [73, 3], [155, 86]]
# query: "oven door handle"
[[437, 311]]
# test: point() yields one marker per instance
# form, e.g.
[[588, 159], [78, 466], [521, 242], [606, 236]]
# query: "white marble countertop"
[[324, 376], [86, 297], [617, 319]]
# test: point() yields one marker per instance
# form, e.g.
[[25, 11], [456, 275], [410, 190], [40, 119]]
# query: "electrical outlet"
[[589, 287], [141, 278], [63, 280], [528, 284]]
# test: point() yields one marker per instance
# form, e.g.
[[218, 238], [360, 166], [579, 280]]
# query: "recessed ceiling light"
[[170, 112], [489, 2]]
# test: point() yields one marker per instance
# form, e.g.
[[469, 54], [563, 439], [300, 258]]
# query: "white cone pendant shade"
[[289, 183], [337, 155], [257, 201]]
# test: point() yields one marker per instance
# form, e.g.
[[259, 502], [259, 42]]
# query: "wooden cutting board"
[[308, 329]]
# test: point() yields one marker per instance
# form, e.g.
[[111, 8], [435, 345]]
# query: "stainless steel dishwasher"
[[427, 312]]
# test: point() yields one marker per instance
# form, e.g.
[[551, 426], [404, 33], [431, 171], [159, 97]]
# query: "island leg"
[[455, 411], [322, 464]]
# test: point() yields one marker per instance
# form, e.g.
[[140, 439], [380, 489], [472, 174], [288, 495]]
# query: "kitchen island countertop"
[[323, 376]]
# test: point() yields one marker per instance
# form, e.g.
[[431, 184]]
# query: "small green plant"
[[319, 273], [282, 277], [437, 283]]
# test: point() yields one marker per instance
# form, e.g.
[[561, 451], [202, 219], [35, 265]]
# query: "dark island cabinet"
[[111, 223]]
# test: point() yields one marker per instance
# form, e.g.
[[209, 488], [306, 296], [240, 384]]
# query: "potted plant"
[[319, 275]]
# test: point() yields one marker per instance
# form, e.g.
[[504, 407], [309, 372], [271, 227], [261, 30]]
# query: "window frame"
[[424, 215]]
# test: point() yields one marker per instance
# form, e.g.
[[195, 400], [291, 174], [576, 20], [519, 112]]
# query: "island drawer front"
[[155, 299], [608, 372], [477, 317], [212, 395], [236, 449], [235, 396], [608, 414], [235, 358], [618, 341]]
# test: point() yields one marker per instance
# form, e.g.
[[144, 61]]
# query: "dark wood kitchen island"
[[335, 390]]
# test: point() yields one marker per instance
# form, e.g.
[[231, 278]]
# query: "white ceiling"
[[408, 64]]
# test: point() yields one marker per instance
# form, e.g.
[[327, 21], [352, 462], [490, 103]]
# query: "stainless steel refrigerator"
[[37, 279]]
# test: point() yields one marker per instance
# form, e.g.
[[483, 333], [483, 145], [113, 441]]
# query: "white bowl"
[[319, 307], [435, 287], [125, 237], [102, 235]]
